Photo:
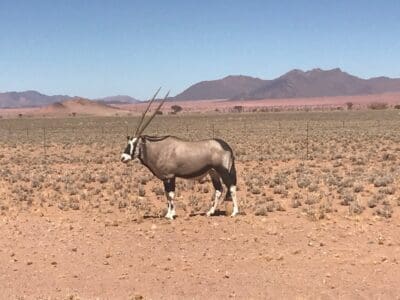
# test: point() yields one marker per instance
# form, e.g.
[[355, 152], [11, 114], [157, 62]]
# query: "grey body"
[[169, 157], [172, 157]]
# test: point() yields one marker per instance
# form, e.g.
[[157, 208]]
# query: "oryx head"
[[132, 149]]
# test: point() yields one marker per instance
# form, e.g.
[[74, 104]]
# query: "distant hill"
[[28, 99], [119, 99], [294, 84], [225, 88]]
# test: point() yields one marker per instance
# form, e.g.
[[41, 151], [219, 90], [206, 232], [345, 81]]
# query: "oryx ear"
[[128, 137]]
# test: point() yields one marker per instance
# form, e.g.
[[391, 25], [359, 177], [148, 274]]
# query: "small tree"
[[377, 105], [176, 109], [349, 105], [238, 108]]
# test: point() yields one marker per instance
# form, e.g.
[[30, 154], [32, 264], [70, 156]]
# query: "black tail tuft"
[[228, 176], [232, 177]]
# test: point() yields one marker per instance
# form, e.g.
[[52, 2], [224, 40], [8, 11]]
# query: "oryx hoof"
[[170, 215], [235, 212], [210, 212]]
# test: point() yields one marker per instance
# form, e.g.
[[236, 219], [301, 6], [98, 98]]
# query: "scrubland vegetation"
[[316, 164]]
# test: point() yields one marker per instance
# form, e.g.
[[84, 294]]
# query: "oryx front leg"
[[235, 211], [169, 187], [217, 195], [171, 207], [216, 181]]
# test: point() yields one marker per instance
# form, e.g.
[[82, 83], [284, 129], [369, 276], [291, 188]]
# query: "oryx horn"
[[153, 115], [144, 113]]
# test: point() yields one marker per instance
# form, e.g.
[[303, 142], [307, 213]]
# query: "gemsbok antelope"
[[168, 157]]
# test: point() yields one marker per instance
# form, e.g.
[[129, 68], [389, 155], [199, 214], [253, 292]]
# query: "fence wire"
[[253, 136]]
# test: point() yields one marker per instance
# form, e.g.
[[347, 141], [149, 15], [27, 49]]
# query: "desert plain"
[[318, 193]]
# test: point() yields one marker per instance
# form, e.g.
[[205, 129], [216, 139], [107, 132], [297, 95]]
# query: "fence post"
[[44, 142], [307, 142]]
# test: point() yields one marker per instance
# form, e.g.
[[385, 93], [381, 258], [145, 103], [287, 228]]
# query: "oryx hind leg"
[[216, 181], [229, 179], [169, 188]]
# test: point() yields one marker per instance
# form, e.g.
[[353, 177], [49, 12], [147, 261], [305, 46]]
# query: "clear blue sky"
[[99, 48]]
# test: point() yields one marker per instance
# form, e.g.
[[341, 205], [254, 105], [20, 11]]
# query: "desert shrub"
[[313, 187], [261, 211], [238, 108], [280, 190], [355, 208], [382, 180], [377, 105], [142, 191], [388, 190], [255, 190], [388, 157], [358, 188], [375, 200], [159, 191], [296, 200], [103, 178], [313, 213], [397, 106], [386, 211], [349, 105], [176, 109], [295, 203], [311, 199], [303, 182], [279, 206], [347, 198]]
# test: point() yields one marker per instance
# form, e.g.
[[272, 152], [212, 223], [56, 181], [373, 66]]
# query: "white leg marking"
[[171, 207], [232, 189], [172, 196], [168, 215], [217, 194]]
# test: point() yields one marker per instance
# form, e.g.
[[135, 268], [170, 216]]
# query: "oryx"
[[168, 157]]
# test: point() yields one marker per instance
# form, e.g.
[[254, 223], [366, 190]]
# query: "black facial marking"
[[128, 149]]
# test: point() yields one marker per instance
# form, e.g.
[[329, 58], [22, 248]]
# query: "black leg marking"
[[169, 188]]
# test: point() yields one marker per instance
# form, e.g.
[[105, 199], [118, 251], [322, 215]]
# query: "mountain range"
[[294, 84], [28, 99], [36, 99]]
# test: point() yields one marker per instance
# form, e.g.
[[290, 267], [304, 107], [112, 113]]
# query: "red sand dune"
[[87, 107], [67, 108]]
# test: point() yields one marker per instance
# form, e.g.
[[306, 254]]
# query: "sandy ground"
[[72, 221], [69, 255]]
